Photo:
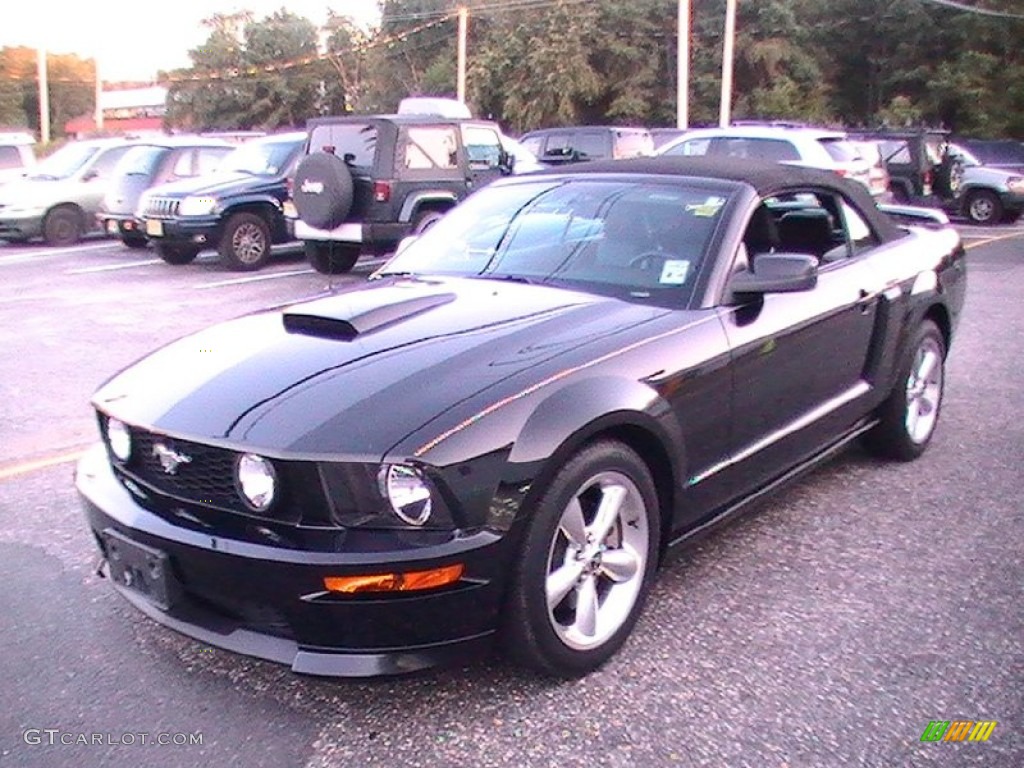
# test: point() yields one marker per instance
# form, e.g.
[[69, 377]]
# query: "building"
[[131, 111]]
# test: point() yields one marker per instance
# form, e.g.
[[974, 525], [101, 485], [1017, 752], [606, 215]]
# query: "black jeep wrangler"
[[368, 181]]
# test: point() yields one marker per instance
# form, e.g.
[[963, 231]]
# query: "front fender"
[[573, 414]]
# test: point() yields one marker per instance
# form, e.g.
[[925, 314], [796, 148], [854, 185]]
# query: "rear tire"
[[588, 558], [63, 226], [425, 221], [909, 415], [177, 254], [136, 242], [330, 258], [245, 244]]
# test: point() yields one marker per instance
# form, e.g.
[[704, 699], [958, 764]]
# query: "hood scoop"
[[332, 319]]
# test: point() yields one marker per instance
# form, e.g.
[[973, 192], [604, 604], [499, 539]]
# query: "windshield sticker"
[[708, 208], [674, 272]]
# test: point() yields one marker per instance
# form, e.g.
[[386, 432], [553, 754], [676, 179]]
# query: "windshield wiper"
[[509, 278]]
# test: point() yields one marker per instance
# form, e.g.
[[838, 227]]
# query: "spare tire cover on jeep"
[[323, 190]]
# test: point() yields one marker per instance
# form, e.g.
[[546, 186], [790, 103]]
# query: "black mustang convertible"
[[495, 438]]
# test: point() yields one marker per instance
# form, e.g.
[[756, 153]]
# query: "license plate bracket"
[[140, 568]]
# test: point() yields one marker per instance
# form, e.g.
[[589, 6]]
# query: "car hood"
[[26, 192], [351, 375], [215, 184]]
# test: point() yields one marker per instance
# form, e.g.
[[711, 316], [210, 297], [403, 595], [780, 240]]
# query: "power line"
[[974, 9]]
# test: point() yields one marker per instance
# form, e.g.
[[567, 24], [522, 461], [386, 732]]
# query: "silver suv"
[[796, 145]]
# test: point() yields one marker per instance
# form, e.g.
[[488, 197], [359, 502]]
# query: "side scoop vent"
[[338, 320]]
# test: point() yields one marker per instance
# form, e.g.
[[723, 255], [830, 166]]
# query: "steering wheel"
[[647, 261]]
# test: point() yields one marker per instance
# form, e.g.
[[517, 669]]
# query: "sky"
[[136, 38]]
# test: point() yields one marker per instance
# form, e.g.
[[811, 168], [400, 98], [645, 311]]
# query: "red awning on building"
[[81, 126]]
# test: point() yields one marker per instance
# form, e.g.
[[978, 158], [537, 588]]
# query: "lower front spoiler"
[[214, 631]]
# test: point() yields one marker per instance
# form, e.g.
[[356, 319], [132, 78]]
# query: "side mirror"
[[776, 273], [90, 175]]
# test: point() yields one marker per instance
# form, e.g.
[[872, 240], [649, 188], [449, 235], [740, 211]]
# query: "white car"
[[822, 148], [17, 156]]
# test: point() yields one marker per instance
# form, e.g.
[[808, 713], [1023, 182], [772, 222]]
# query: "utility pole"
[[683, 67], [724, 115], [460, 87], [44, 97], [99, 96]]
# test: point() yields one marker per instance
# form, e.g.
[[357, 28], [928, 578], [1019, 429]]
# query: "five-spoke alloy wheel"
[[908, 417], [589, 554]]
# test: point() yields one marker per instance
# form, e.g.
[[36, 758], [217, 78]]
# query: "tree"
[[249, 74], [71, 88]]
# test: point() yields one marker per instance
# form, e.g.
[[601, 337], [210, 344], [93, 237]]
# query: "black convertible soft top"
[[765, 177]]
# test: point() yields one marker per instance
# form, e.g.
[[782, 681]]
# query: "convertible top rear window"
[[638, 241]]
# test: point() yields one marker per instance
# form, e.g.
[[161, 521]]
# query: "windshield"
[[140, 161], [637, 241], [262, 158], [65, 162]]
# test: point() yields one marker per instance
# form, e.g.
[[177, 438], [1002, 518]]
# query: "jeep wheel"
[[322, 191], [62, 226], [425, 221], [245, 244], [134, 241], [331, 258], [177, 254], [983, 207]]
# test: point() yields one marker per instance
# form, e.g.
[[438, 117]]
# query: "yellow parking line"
[[995, 239], [24, 467]]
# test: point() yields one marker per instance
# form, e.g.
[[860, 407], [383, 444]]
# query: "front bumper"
[[270, 602], [21, 227], [204, 231]]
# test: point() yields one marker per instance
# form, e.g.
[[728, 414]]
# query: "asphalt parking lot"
[[827, 629]]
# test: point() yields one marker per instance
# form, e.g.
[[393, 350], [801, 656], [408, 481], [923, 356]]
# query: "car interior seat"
[[808, 231]]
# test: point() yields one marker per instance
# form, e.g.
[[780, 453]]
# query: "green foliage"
[[71, 81], [250, 74], [844, 62]]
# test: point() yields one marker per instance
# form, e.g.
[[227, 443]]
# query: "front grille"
[[206, 474], [162, 207]]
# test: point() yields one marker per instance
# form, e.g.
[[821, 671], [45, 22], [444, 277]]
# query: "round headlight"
[[407, 492], [119, 439], [257, 481]]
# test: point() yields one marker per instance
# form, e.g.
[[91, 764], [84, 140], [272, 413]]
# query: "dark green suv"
[[368, 181]]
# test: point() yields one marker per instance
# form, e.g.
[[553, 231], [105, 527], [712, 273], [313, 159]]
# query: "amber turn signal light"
[[395, 582]]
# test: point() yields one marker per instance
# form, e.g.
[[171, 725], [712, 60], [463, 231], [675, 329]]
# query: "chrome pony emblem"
[[170, 459]]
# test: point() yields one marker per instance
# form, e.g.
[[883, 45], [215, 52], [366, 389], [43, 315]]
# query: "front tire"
[[245, 245], [589, 555], [177, 254], [983, 207], [910, 414], [62, 226], [329, 258]]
